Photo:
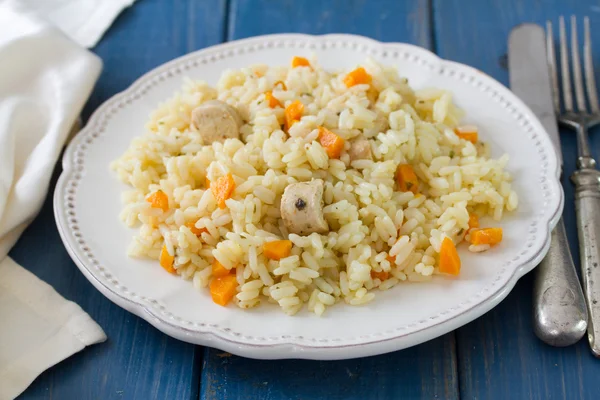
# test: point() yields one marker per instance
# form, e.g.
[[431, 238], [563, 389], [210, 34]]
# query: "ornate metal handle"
[[560, 315], [587, 205]]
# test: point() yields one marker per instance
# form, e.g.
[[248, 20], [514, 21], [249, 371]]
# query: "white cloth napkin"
[[84, 21], [45, 79]]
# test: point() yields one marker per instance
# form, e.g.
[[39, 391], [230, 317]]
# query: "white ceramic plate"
[[87, 204]]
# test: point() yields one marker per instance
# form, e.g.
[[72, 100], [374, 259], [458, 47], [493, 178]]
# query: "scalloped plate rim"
[[291, 348]]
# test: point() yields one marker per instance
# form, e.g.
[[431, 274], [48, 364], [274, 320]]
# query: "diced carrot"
[[222, 289], [195, 231], [218, 269], [467, 132], [277, 249], [382, 275], [166, 260], [300, 62], [357, 77], [282, 83], [271, 100], [391, 259], [293, 113], [407, 179], [473, 221], [489, 236], [158, 199], [449, 259], [222, 189], [332, 143]]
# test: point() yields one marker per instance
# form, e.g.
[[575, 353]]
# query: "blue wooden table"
[[494, 357]]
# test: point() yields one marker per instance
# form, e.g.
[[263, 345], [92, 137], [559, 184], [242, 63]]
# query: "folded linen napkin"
[[45, 79]]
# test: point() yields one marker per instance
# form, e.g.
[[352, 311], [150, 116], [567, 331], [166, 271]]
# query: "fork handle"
[[587, 205]]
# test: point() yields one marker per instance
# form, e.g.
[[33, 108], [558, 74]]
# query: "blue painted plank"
[[426, 371], [386, 20], [151, 33], [137, 361], [499, 356]]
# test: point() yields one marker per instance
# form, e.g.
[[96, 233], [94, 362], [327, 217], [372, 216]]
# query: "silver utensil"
[[586, 179], [559, 311]]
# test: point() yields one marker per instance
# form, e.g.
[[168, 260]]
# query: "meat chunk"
[[302, 208], [216, 121], [360, 149]]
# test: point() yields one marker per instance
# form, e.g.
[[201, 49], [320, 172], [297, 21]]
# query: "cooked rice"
[[369, 220]]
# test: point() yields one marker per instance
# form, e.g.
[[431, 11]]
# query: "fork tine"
[[564, 65], [589, 67], [577, 79], [552, 65]]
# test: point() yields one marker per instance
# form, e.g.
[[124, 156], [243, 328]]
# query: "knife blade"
[[530, 77], [560, 314]]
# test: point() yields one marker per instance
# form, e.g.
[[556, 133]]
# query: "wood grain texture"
[[426, 371], [499, 356], [151, 33], [385, 20], [137, 361]]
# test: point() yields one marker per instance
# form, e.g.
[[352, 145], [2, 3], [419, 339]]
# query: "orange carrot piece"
[[391, 259], [357, 77], [223, 288], [166, 260], [449, 259], [158, 199], [467, 132], [473, 221], [332, 143], [293, 113], [277, 249], [489, 236], [381, 275], [407, 179], [195, 231], [271, 100], [300, 62], [222, 189], [282, 83], [218, 269]]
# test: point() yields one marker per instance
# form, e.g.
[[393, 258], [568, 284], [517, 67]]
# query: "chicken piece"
[[216, 121], [302, 208], [360, 149], [379, 125]]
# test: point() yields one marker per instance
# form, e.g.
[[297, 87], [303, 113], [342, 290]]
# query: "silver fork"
[[586, 179]]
